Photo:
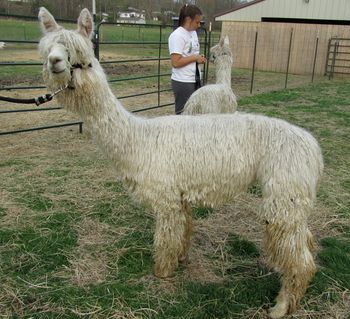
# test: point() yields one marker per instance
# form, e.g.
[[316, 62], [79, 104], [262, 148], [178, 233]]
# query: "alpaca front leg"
[[168, 242], [288, 251]]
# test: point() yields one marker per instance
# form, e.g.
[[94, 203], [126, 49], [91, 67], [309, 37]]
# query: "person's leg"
[[182, 92]]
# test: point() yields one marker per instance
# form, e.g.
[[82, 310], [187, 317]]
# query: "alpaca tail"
[[315, 158], [319, 160]]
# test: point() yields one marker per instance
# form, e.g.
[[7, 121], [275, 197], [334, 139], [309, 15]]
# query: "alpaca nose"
[[54, 60]]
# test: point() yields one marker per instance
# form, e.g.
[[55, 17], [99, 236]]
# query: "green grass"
[[21, 73], [335, 260], [237, 246], [133, 33], [11, 29]]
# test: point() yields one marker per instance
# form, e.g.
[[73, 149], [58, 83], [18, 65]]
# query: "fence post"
[[289, 51], [206, 66], [254, 58], [331, 73], [315, 58], [328, 54], [159, 56], [97, 42]]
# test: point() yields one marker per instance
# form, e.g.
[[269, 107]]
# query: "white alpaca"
[[215, 98], [174, 162], [2, 45]]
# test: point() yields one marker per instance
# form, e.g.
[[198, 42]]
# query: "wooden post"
[[315, 58], [254, 59], [289, 52]]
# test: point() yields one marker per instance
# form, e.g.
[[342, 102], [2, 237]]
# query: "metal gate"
[[338, 57], [157, 39]]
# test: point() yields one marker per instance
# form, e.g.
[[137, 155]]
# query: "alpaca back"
[[219, 154], [212, 98]]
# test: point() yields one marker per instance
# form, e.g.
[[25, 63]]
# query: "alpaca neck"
[[223, 71], [100, 110], [110, 129]]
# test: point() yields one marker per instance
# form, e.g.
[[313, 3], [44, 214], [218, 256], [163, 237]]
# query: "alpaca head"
[[66, 53], [221, 51]]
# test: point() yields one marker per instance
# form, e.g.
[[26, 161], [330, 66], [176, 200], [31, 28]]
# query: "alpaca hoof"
[[184, 259], [278, 311], [263, 267], [162, 273]]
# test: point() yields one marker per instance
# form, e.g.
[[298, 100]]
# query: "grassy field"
[[30, 30], [74, 244]]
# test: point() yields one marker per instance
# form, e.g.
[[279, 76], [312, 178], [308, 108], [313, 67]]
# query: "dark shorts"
[[182, 92]]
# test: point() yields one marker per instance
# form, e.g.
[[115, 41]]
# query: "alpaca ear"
[[47, 21], [226, 41], [85, 23]]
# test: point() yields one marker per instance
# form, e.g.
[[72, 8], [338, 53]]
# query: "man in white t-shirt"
[[184, 52]]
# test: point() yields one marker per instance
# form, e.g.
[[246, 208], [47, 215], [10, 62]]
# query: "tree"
[[69, 9]]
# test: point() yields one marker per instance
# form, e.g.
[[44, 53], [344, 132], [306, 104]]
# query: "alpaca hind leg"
[[288, 251], [169, 242], [186, 242]]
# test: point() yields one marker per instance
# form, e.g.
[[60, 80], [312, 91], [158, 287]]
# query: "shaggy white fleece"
[[174, 162]]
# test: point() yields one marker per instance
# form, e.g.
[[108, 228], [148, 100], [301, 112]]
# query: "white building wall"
[[301, 9]]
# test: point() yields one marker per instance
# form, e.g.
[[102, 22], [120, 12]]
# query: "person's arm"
[[179, 61]]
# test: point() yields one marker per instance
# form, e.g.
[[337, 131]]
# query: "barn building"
[[304, 35]]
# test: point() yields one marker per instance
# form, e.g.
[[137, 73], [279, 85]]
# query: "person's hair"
[[188, 10]]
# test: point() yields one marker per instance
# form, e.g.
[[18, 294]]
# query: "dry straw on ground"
[[207, 263]]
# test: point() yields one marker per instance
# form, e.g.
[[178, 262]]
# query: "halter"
[[79, 66], [73, 67]]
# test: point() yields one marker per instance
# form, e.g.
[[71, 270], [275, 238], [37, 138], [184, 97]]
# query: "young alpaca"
[[219, 97], [174, 162]]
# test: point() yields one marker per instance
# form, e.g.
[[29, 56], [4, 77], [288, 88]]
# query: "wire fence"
[[119, 48], [135, 58], [272, 56]]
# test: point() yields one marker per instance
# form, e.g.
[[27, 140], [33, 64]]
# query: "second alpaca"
[[218, 97]]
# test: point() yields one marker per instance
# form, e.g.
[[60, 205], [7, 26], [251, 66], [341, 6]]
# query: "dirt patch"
[[127, 69], [16, 55], [16, 80]]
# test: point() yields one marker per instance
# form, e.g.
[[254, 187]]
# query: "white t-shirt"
[[185, 43]]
